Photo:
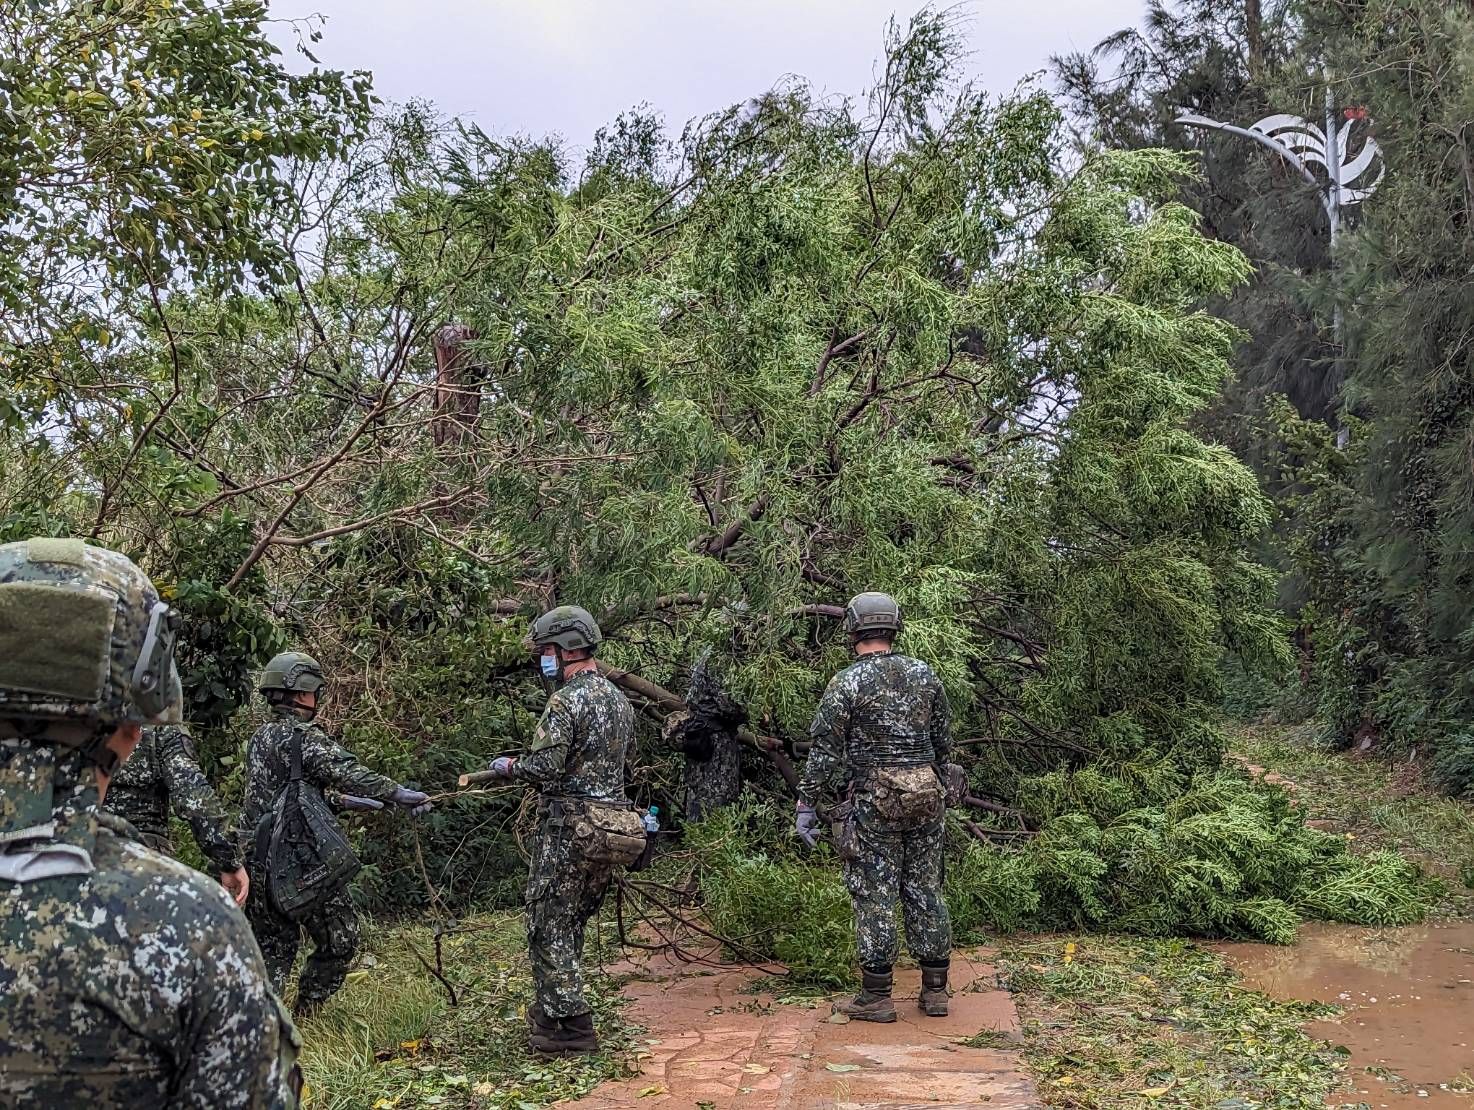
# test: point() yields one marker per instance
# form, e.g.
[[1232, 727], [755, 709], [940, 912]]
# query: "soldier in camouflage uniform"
[[880, 739], [706, 733], [126, 979], [292, 683], [163, 772], [577, 754]]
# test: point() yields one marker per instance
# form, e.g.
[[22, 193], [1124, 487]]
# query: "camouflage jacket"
[[138, 984], [581, 742], [162, 773], [884, 710], [711, 709], [326, 764]]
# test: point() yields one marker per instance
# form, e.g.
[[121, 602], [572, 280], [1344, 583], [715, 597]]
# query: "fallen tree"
[[708, 389]]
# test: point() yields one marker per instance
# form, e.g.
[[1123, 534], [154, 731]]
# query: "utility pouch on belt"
[[609, 833], [906, 796], [954, 782]]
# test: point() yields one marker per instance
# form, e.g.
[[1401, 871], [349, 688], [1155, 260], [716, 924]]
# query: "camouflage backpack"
[[300, 847]]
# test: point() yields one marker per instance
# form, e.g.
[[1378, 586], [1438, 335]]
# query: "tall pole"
[[1333, 169], [1333, 218]]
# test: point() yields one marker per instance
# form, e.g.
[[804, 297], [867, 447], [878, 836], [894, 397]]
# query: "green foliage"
[[1224, 858], [1221, 858], [136, 138], [1238, 64], [990, 891], [1377, 889], [1453, 764], [1374, 808], [794, 911], [225, 635], [1352, 398]]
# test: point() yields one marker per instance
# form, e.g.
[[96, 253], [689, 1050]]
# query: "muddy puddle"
[[1408, 1006]]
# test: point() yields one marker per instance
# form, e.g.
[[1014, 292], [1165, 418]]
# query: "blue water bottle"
[[652, 819]]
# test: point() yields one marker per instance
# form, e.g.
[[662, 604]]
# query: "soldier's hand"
[[237, 884], [416, 801], [502, 765], [353, 801], [806, 824]]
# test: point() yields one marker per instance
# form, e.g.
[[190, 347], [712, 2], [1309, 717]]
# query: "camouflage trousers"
[[899, 865], [333, 930], [563, 892]]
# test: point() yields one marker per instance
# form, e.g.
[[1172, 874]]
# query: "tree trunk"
[[1254, 33], [457, 387]]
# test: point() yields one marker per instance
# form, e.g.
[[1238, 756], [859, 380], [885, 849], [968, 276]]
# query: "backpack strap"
[[294, 773]]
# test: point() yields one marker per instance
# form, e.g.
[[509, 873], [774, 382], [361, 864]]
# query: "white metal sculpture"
[[1303, 144], [1312, 145]]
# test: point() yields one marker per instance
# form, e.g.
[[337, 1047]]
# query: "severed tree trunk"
[[457, 388]]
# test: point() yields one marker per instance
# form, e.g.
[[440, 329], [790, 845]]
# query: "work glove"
[[416, 801], [353, 801], [806, 824], [502, 765]]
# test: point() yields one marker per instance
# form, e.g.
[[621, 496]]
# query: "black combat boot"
[[572, 1035], [539, 1022], [873, 1003], [933, 998]]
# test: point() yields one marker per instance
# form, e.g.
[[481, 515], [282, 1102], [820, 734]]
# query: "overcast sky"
[[540, 67]]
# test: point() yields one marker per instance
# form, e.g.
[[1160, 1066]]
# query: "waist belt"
[[555, 807]]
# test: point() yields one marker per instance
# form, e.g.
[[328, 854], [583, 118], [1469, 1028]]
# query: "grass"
[[1111, 1021], [390, 1039], [1124, 1022], [1376, 804]]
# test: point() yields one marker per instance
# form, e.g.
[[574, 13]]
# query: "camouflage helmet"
[[292, 672], [871, 613], [87, 640], [568, 626]]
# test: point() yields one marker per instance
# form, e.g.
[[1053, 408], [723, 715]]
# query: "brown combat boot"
[[933, 998], [572, 1035], [873, 1003]]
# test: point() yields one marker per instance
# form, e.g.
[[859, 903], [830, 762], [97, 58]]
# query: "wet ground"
[[1408, 1005], [715, 1039]]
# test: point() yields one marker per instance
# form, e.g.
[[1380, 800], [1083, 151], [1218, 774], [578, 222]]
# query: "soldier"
[[881, 737], [292, 684], [163, 772], [126, 979], [576, 760], [706, 733]]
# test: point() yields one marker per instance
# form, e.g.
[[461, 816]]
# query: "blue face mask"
[[549, 665]]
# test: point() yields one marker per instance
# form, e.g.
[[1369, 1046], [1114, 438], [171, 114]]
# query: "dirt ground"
[[716, 1041]]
